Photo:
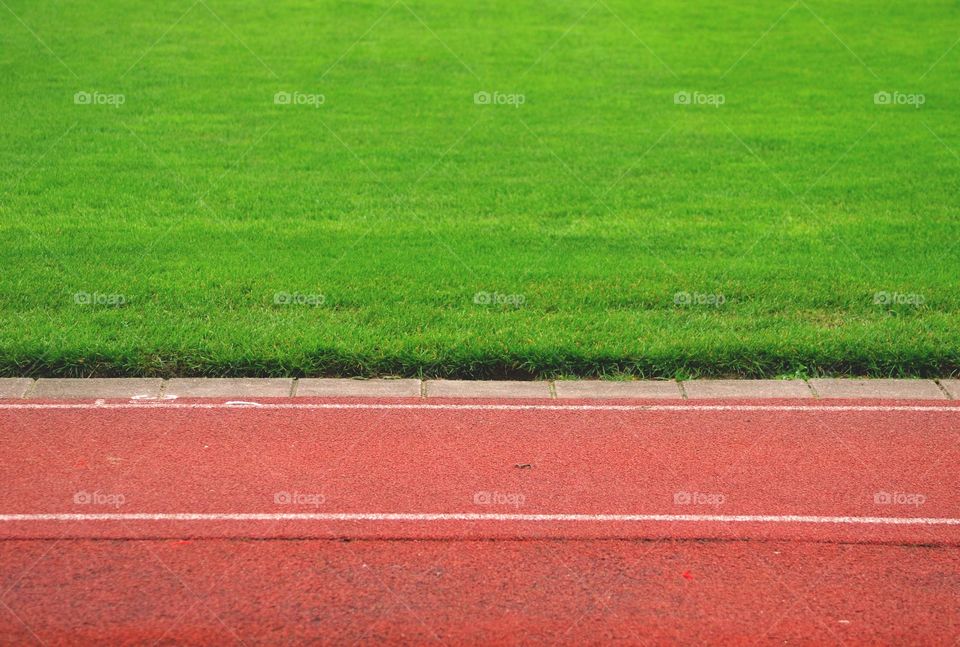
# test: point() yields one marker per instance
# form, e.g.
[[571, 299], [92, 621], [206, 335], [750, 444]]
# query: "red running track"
[[532, 592], [608, 488]]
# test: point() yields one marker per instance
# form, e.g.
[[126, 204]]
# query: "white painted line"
[[485, 407], [466, 516]]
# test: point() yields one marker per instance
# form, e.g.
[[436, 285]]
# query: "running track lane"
[[530, 592], [844, 471], [200, 580]]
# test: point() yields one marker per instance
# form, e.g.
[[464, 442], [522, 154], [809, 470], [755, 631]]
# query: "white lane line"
[[404, 516], [487, 407]]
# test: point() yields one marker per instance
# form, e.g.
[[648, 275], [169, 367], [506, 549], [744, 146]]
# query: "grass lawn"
[[496, 189]]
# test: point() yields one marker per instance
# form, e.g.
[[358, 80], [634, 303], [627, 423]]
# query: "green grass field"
[[182, 218]]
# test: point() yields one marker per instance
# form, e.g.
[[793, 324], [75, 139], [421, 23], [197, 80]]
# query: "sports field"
[[510, 188]]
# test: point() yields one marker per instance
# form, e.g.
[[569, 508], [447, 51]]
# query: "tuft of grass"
[[586, 221]]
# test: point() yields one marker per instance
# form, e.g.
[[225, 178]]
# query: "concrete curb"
[[333, 387], [212, 387], [951, 388], [747, 389], [608, 389], [485, 389], [900, 389], [58, 389], [155, 388]]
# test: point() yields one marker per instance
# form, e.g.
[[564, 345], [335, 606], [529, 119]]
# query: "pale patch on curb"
[[14, 387], [344, 387], [213, 387], [96, 387], [486, 389], [747, 389], [606, 389], [952, 387], [886, 389]]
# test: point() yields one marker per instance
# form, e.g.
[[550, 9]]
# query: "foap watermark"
[[83, 98], [884, 98], [98, 299], [282, 98], [885, 298], [898, 498], [297, 299], [698, 299], [484, 98], [497, 299], [98, 498], [698, 498], [685, 98], [485, 497], [299, 498]]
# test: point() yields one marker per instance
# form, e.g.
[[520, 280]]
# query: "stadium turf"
[[511, 188]]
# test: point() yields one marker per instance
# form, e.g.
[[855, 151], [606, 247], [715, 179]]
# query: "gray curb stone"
[[607, 389], [747, 389], [486, 389], [333, 387], [14, 387], [952, 387], [213, 387], [894, 389], [104, 387]]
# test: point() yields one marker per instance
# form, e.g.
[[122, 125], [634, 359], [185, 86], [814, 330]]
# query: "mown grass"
[[785, 211]]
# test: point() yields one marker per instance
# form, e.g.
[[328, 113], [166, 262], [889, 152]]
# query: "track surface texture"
[[479, 522]]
